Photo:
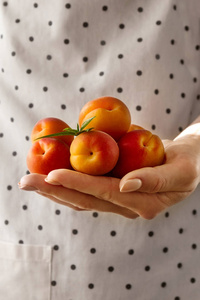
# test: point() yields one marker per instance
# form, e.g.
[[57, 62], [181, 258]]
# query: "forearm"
[[193, 129]]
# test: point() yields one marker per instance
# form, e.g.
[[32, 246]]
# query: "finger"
[[54, 199], [107, 188], [35, 182], [174, 177], [71, 196]]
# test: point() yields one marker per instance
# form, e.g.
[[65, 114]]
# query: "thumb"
[[151, 180]]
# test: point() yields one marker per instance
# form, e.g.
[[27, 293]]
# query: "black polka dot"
[[101, 73], [92, 250], [90, 285], [130, 251], [139, 72], [9, 187], [147, 268], [75, 231], [103, 43], [105, 8], [68, 5], [192, 280], [85, 24], [110, 269], [85, 59], [28, 71], [182, 61], [140, 40], [24, 207], [194, 212], [82, 89], [121, 26], [171, 76], [30, 105], [165, 250], [53, 283], [157, 56], [66, 41], [186, 28], [65, 75], [172, 42], [6, 222], [140, 9], [181, 230], [57, 212], [180, 129], [56, 247], [1, 134], [138, 107], [31, 39], [158, 22], [63, 106], [120, 56], [119, 90], [17, 21], [73, 267], [40, 227], [113, 233], [163, 284], [128, 286], [179, 265], [49, 57], [194, 246], [45, 88], [35, 5], [5, 3], [156, 91], [95, 214], [168, 110], [21, 242], [153, 126], [151, 233]]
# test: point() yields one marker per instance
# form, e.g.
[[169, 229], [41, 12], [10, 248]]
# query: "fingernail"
[[131, 185], [27, 187], [51, 181]]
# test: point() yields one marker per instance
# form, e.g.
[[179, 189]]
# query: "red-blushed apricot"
[[49, 126], [94, 153], [48, 154], [135, 127], [138, 149], [111, 116]]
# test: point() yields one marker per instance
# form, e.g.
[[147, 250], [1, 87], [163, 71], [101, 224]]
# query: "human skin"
[[145, 192]]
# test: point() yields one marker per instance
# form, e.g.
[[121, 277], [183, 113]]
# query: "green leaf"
[[70, 131], [86, 123]]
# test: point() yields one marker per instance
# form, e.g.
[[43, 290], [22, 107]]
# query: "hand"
[[144, 192]]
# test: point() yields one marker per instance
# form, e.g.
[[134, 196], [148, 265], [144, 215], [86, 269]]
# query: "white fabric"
[[54, 57], [25, 271]]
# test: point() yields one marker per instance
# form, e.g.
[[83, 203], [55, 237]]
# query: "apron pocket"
[[25, 271]]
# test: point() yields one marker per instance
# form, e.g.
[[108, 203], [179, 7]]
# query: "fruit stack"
[[104, 142]]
